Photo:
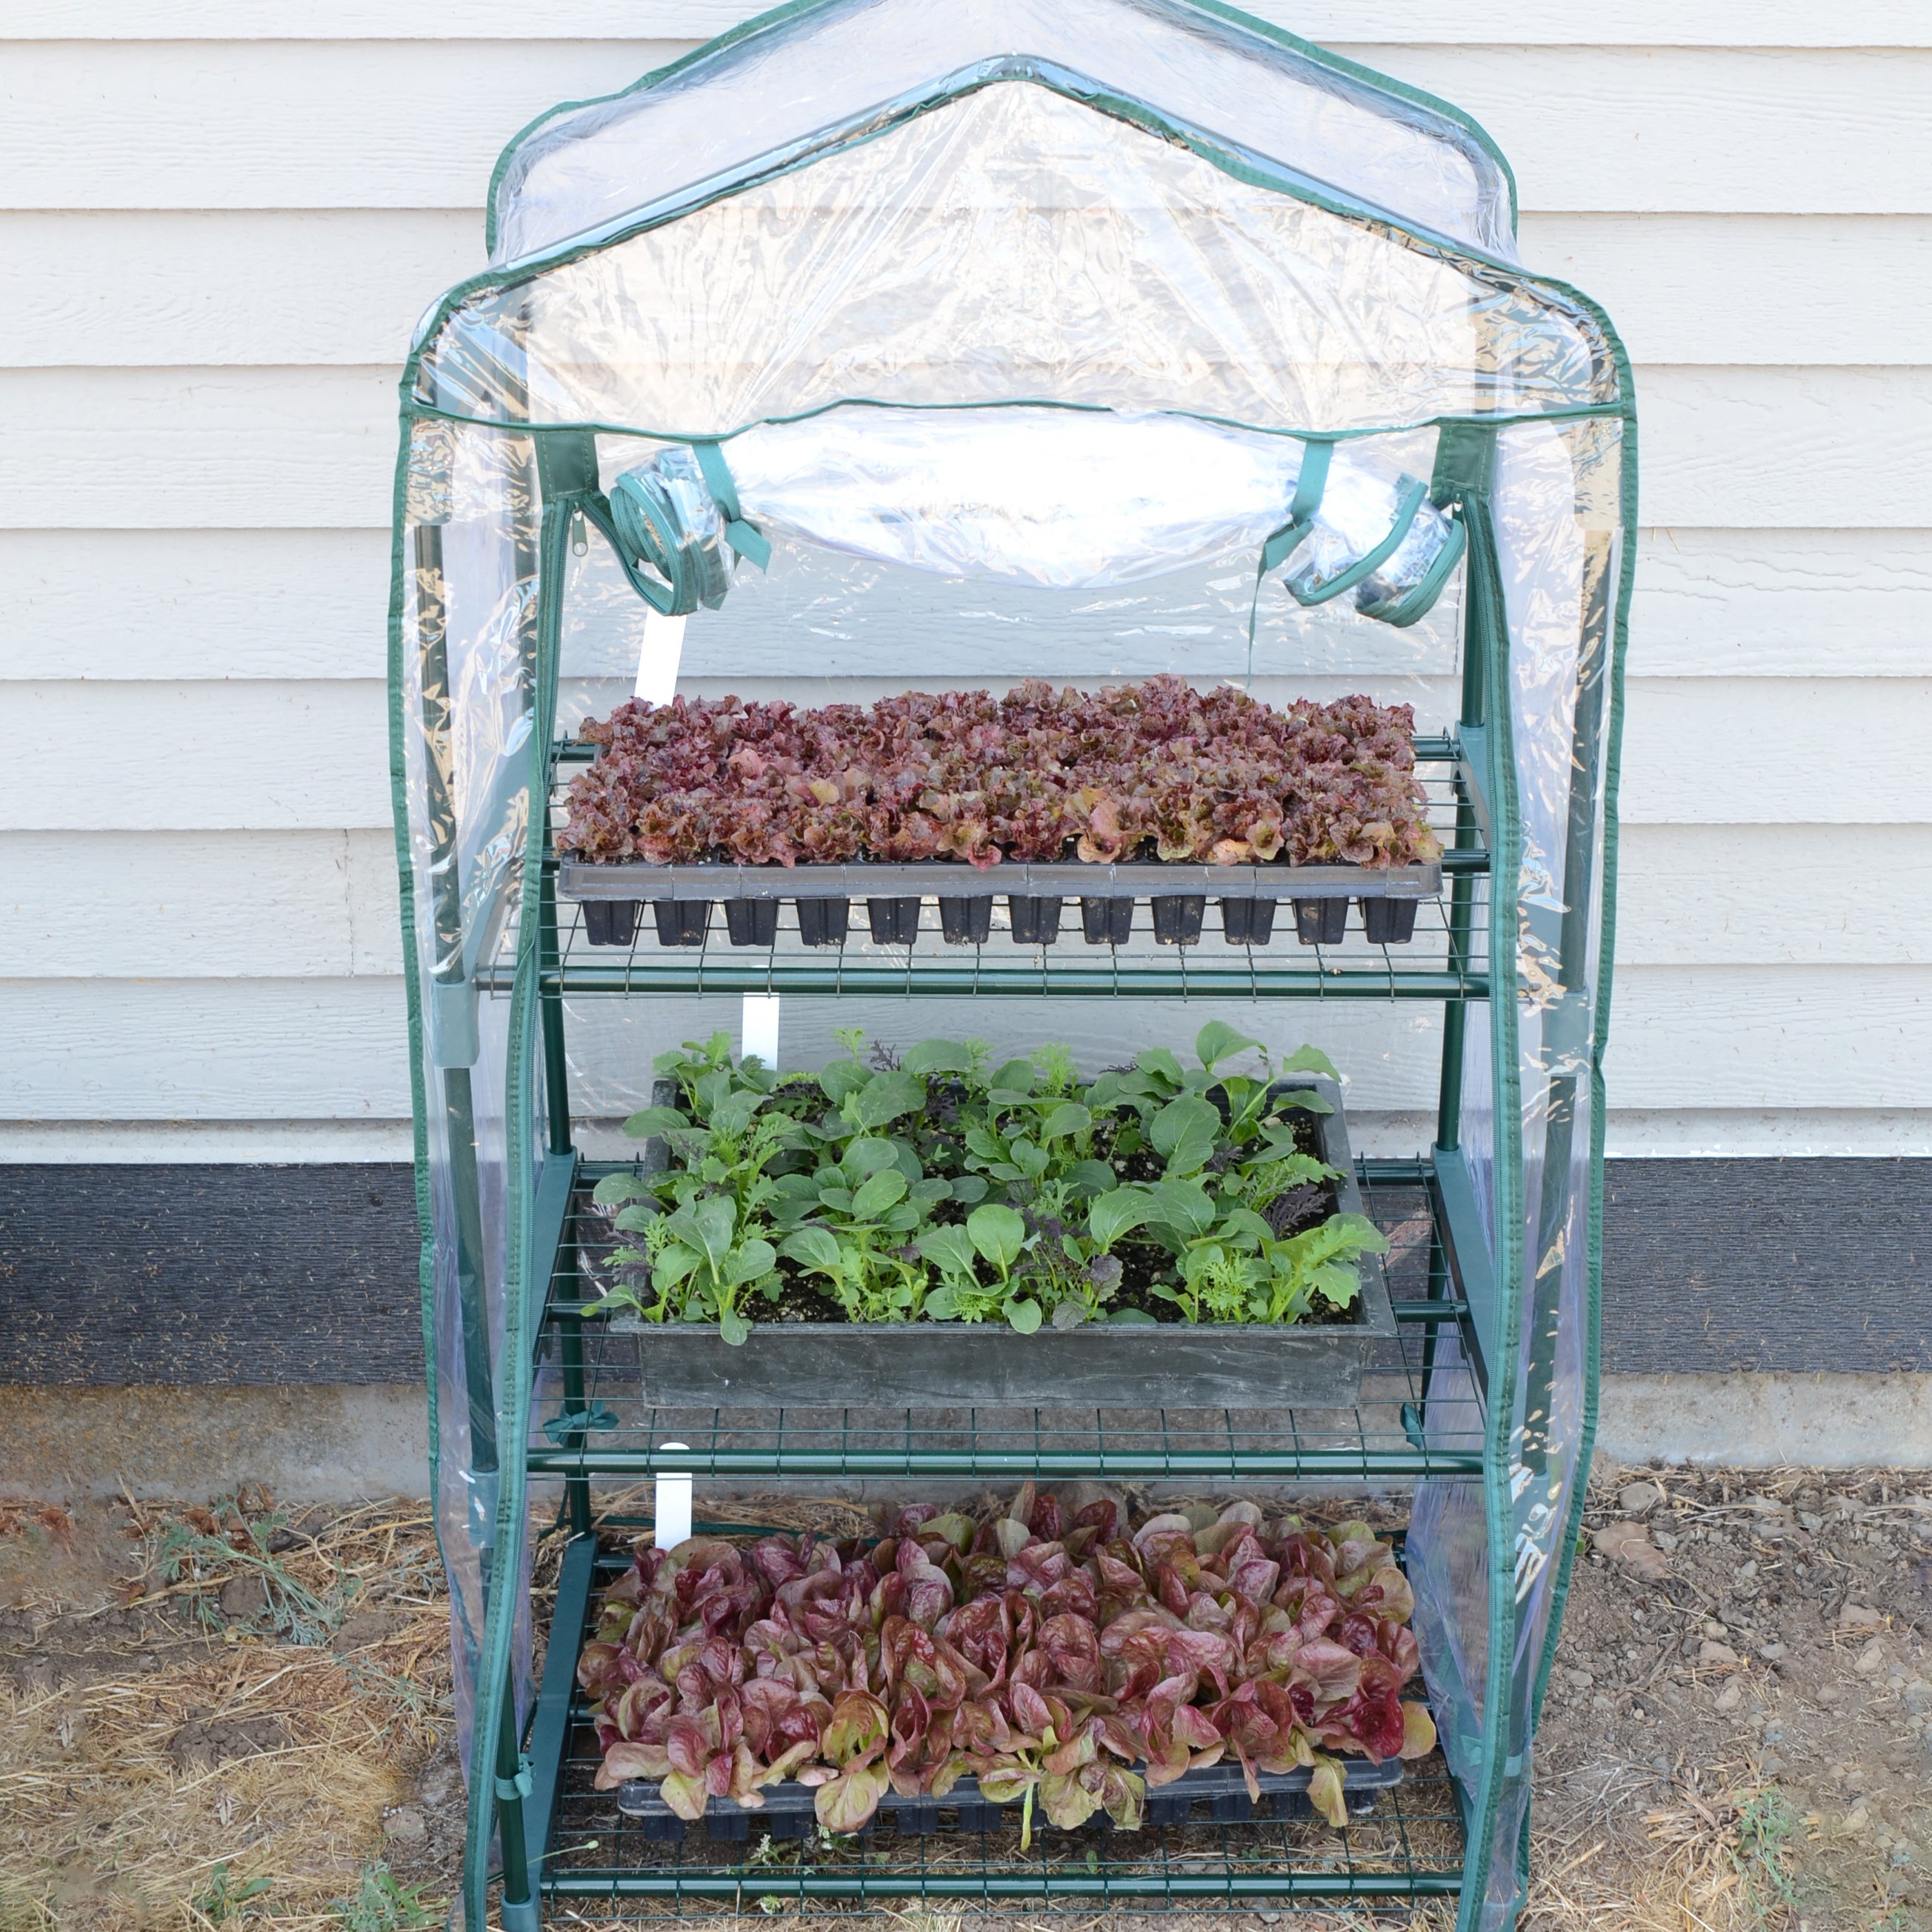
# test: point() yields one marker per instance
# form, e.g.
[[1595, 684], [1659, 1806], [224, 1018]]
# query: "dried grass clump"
[[170, 1751]]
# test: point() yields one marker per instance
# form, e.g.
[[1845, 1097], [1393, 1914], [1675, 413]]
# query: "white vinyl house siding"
[[219, 235]]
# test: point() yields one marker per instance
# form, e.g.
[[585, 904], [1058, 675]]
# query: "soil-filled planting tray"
[[680, 899], [1312, 1363], [1216, 1794]]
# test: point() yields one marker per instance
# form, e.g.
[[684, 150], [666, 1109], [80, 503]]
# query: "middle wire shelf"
[[1420, 1414]]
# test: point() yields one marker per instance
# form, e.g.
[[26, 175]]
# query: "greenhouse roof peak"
[[810, 77]]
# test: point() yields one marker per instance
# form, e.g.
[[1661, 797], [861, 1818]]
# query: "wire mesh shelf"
[[1404, 1842], [1447, 958], [1420, 1414]]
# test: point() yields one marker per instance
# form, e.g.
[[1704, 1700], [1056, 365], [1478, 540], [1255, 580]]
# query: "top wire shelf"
[[1209, 953]]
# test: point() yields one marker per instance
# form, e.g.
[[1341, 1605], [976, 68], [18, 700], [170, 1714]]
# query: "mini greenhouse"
[[875, 348]]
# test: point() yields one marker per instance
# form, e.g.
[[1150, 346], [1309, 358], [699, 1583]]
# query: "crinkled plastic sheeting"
[[768, 93], [1089, 207]]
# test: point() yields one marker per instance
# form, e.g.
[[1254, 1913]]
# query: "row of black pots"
[[969, 922]]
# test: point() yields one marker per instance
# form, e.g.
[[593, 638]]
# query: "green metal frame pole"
[[1465, 458]]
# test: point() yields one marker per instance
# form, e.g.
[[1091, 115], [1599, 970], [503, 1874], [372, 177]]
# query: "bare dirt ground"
[[238, 1714]]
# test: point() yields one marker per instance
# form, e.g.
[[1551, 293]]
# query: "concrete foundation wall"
[[339, 1444]]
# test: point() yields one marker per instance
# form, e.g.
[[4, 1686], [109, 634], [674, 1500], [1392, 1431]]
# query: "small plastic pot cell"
[[1036, 922], [1247, 921], [1107, 921], [824, 921], [1389, 922], [895, 921], [610, 922], [1321, 922], [752, 921], [967, 921], [681, 922], [1177, 921]]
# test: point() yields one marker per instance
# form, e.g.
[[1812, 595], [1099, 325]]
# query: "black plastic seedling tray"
[[1115, 1365], [681, 898], [1216, 1794]]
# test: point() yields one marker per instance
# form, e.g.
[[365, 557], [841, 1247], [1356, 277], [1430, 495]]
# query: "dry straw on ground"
[[160, 1727], [157, 1762]]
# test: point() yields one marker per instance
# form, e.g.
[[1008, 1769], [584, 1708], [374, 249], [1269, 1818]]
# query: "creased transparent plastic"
[[776, 90], [466, 666], [1061, 499], [975, 256], [1019, 387]]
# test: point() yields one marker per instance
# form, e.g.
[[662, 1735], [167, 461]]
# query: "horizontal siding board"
[[211, 1049], [198, 904], [315, 449], [1846, 603], [195, 604], [265, 757], [1767, 896], [1763, 751], [254, 757], [1741, 289], [1734, 1038], [166, 604], [1721, 131], [1368, 25], [321, 124], [284, 904], [1786, 1037], [242, 287]]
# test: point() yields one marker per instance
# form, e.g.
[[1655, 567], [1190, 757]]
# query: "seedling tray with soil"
[[1164, 1362]]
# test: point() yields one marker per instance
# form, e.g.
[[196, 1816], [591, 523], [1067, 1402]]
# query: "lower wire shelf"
[[1409, 1845], [1420, 1414]]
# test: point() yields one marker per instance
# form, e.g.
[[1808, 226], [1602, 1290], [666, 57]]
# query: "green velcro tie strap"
[[1365, 566], [1308, 486], [747, 539], [519, 1786], [578, 1422]]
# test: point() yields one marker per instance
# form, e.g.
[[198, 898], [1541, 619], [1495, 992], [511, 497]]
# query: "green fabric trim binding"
[[1415, 605], [399, 808], [1258, 29], [1366, 565], [1505, 1362]]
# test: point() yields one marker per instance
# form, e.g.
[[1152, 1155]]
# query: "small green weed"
[[1764, 1829], [223, 1903], [383, 1903]]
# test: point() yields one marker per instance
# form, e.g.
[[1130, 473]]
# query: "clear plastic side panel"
[[1557, 500], [1014, 243], [1558, 508], [468, 563], [821, 626], [774, 91]]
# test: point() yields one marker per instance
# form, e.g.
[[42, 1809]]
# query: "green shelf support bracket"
[[550, 1723]]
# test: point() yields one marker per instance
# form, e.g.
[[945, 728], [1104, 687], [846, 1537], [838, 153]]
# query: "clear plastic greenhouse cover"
[[952, 346]]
